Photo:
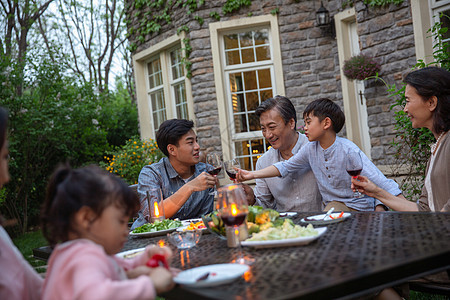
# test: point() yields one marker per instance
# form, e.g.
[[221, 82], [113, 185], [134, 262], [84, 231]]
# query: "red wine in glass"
[[230, 168], [231, 220], [354, 166], [354, 173], [232, 174], [215, 171]]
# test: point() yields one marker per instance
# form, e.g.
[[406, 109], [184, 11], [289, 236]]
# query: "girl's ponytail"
[[50, 232]]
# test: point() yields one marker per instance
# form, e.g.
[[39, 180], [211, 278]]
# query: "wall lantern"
[[324, 21]]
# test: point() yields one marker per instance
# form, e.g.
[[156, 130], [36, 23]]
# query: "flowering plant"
[[128, 160], [361, 67]]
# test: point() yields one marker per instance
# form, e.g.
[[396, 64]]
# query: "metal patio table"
[[363, 254]]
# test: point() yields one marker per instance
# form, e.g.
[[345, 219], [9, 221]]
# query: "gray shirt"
[[333, 180], [297, 191], [163, 175]]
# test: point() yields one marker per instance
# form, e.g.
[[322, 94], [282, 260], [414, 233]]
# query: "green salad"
[[158, 226], [287, 230]]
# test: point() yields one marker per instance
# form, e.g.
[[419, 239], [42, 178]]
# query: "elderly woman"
[[18, 280], [427, 105]]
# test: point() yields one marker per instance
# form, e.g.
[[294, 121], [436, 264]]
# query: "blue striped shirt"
[[328, 166]]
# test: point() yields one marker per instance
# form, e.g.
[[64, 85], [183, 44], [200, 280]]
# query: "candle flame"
[[156, 210], [161, 243], [234, 210]]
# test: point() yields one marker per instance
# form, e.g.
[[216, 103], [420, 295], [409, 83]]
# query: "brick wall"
[[310, 60]]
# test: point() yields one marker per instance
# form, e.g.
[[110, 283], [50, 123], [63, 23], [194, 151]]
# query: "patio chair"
[[427, 286]]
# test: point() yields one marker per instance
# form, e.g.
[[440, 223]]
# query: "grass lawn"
[[26, 243], [30, 240]]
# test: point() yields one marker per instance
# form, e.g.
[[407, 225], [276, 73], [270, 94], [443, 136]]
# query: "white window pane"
[[248, 152], [176, 63]]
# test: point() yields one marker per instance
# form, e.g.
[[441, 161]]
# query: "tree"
[[20, 17], [92, 33]]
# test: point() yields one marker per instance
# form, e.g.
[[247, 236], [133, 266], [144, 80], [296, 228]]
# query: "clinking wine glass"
[[354, 167], [233, 211], [230, 167], [215, 161]]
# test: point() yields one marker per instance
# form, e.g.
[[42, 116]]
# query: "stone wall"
[[310, 60]]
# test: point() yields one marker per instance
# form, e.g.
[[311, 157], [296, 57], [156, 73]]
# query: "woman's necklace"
[[435, 145]]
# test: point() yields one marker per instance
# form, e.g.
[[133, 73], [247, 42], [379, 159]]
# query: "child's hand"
[[162, 280], [138, 271], [244, 175], [165, 251]]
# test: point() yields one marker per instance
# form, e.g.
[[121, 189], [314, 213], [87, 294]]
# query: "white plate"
[[189, 221], [303, 240], [287, 214], [184, 227], [154, 233], [218, 274], [318, 219], [130, 253]]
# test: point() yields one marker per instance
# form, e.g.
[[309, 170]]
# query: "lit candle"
[[234, 210], [157, 215]]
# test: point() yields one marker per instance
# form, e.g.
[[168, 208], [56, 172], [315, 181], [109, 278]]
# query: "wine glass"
[[233, 211], [354, 167], [215, 165], [230, 167]]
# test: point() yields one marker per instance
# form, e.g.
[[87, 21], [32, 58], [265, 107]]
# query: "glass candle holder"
[[155, 203]]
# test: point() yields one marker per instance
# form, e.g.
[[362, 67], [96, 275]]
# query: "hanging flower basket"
[[360, 67]]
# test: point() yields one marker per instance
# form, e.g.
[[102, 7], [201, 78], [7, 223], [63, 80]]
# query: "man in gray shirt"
[[297, 191], [185, 184]]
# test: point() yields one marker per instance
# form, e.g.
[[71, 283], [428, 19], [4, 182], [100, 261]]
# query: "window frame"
[[423, 18], [140, 60], [221, 71]]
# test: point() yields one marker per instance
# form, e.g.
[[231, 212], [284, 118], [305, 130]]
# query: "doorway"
[[355, 107]]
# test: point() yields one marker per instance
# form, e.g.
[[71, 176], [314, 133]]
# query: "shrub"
[[360, 67], [54, 120], [127, 161]]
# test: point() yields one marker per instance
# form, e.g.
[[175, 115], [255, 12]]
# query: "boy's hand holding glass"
[[232, 167], [244, 175]]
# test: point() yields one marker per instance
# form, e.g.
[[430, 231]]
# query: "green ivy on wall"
[[153, 14], [372, 2], [382, 2]]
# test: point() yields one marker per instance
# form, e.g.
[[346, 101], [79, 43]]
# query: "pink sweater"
[[18, 280], [80, 269]]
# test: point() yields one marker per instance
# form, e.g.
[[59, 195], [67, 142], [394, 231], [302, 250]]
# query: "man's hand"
[[202, 182], [249, 194]]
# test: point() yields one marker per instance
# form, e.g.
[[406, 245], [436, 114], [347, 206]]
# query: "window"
[[250, 59], [167, 66], [441, 13], [162, 89]]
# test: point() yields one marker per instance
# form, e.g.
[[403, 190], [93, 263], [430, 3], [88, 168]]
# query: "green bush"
[[53, 121], [119, 118], [127, 161]]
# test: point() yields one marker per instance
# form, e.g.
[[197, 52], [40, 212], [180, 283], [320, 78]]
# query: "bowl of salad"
[[258, 218], [156, 228]]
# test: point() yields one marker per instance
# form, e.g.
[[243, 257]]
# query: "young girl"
[[86, 211], [18, 280]]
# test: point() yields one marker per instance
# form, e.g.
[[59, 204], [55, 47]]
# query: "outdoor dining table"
[[363, 254]]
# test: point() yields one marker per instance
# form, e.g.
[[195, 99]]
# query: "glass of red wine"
[[233, 209], [230, 167], [354, 167], [214, 160]]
